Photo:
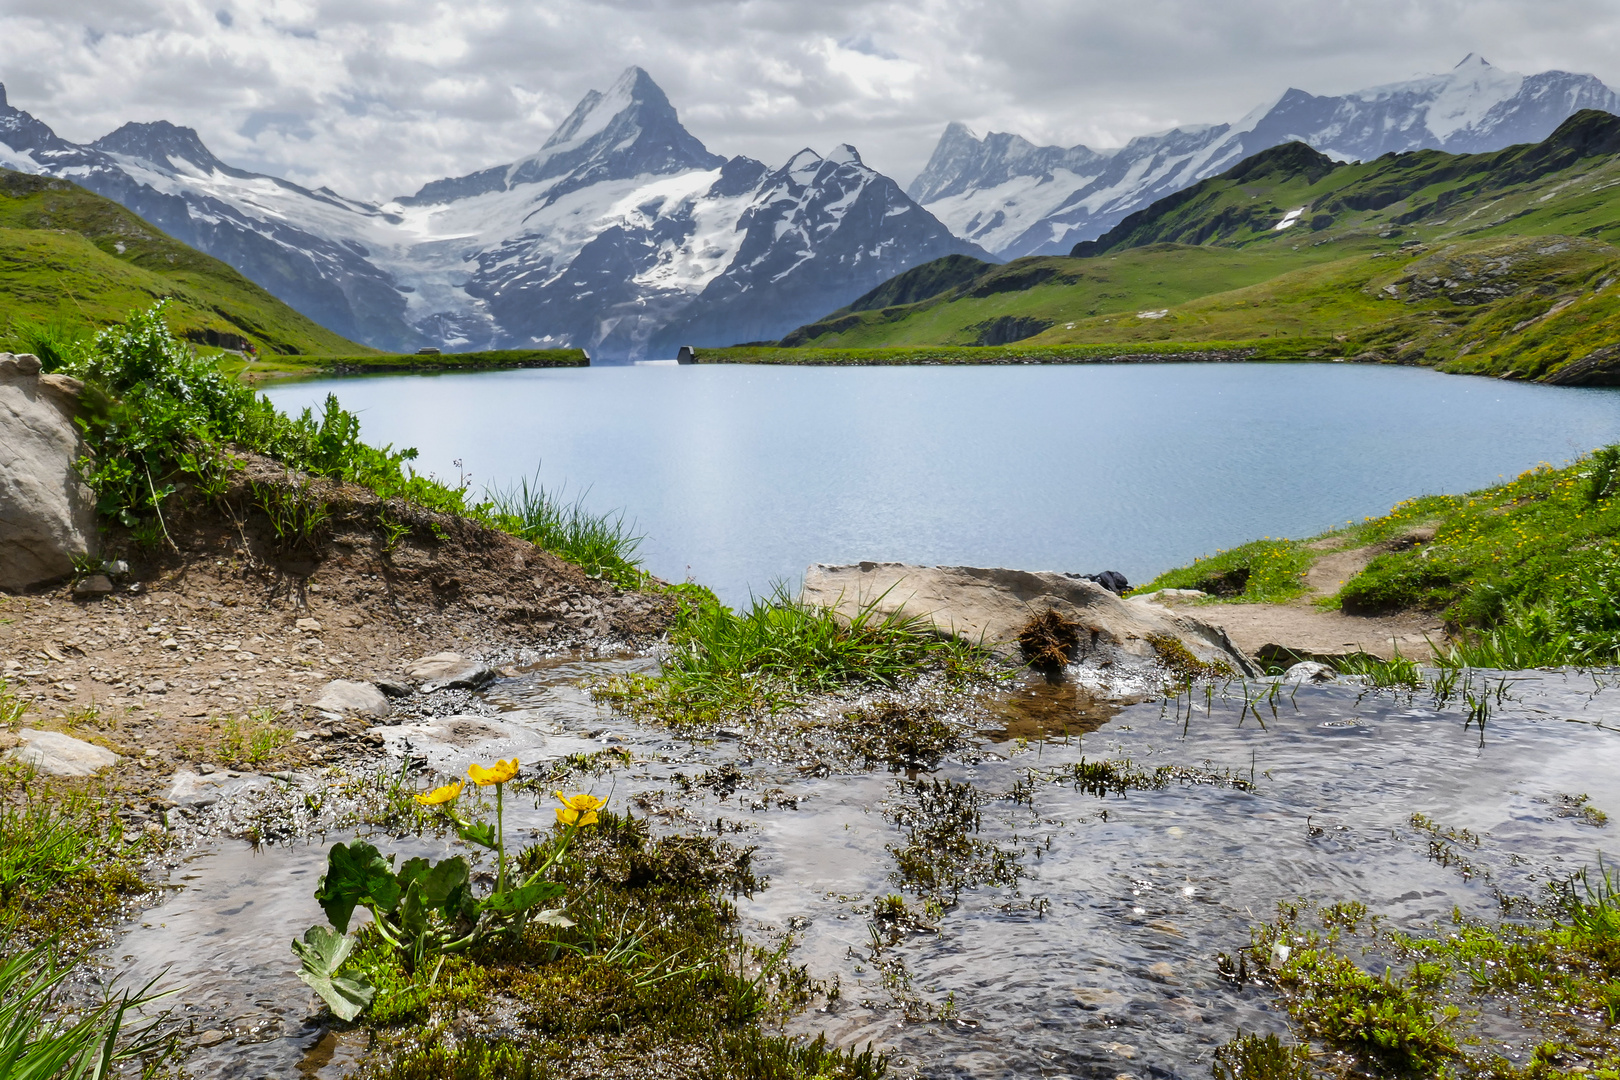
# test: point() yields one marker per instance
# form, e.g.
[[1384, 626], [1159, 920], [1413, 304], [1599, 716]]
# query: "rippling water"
[[1101, 961], [742, 476]]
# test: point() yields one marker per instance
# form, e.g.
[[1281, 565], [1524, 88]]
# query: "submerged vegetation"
[[1416, 1004]]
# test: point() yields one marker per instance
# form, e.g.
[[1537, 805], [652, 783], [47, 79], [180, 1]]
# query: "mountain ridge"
[[1025, 204]]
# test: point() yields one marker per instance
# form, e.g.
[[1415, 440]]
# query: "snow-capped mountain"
[[1015, 198], [622, 235]]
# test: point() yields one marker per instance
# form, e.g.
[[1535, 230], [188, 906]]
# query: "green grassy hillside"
[[1490, 263], [73, 262]]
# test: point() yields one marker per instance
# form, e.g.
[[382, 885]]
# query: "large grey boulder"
[[56, 754], [992, 606], [47, 514]]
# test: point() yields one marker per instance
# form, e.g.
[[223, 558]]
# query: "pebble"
[[211, 1037], [312, 626], [96, 585]]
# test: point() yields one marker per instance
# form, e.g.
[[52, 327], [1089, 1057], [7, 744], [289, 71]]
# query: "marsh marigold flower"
[[578, 809], [440, 796], [498, 773]]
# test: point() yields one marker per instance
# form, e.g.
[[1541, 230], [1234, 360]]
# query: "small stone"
[[169, 643], [204, 769], [95, 585], [116, 567], [1161, 970], [211, 1037], [394, 688], [157, 686], [308, 625]]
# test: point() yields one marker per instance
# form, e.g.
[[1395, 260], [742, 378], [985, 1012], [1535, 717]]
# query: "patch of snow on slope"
[[1021, 201]]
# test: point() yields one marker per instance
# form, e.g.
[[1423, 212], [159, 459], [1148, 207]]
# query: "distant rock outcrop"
[[47, 514]]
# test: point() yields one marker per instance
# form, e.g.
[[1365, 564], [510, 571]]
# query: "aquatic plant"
[[427, 910]]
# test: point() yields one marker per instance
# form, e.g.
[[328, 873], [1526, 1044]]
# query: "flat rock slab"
[[347, 698], [56, 754], [450, 671], [991, 606]]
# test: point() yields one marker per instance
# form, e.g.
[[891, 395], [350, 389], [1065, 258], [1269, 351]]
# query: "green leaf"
[[523, 897], [479, 832], [321, 955], [355, 874]]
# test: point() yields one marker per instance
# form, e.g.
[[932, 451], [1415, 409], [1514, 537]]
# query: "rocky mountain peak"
[[162, 144], [630, 130]]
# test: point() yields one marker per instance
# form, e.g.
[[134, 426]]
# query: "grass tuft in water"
[[778, 652], [1252, 1057]]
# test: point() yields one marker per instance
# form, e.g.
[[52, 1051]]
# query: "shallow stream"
[[1099, 961]]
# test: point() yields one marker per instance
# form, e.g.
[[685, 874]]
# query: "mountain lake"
[[741, 476]]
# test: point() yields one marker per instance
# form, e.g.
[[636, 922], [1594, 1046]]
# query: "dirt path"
[[1300, 627]]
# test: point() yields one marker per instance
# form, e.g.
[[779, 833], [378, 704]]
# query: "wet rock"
[[1116, 638], [47, 514], [96, 585], [1309, 671], [56, 754], [347, 698], [394, 688], [197, 790], [450, 671], [211, 1037]]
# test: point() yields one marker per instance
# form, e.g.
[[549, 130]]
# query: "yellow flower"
[[498, 773], [578, 809], [440, 796]]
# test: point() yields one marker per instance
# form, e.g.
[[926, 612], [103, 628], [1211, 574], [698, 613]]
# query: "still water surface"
[[742, 476]]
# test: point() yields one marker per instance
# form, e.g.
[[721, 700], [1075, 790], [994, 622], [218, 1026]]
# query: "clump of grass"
[[778, 652], [1180, 661], [1261, 571], [12, 707], [943, 854], [38, 1041], [1396, 671], [57, 344], [63, 861], [253, 741], [600, 544]]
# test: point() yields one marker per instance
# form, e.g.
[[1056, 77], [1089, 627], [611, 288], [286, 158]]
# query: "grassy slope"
[[1328, 277], [1539, 554], [74, 259], [280, 367]]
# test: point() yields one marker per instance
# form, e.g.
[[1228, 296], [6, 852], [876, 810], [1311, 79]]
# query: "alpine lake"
[[1083, 937]]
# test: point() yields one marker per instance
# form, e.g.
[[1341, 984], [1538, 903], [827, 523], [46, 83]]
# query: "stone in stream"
[[346, 698], [450, 671], [1122, 645], [47, 514], [1309, 671], [56, 754]]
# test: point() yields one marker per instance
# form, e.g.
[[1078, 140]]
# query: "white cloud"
[[375, 97]]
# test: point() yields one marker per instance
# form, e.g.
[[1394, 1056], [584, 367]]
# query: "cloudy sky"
[[375, 97]]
